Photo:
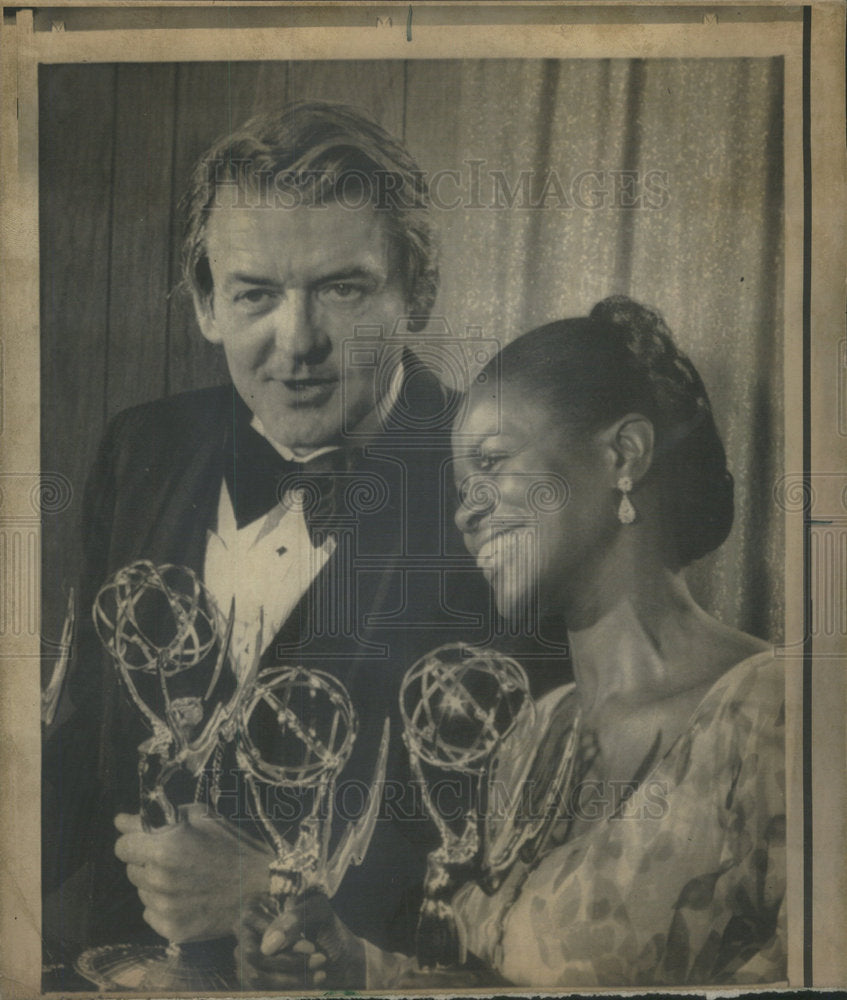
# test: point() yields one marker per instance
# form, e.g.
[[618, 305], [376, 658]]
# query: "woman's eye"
[[489, 462]]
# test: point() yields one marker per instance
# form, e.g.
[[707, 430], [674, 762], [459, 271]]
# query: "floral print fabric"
[[684, 884]]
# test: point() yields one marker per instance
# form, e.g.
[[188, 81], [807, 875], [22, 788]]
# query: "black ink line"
[[808, 873], [409, 25]]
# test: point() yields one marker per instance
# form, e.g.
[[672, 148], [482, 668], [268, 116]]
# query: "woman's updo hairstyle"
[[622, 359]]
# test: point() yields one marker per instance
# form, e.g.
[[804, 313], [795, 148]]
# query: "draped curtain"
[[558, 183]]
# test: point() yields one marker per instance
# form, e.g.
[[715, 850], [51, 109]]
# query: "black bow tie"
[[258, 478]]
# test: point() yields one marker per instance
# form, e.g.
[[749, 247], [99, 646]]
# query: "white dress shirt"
[[266, 566], [269, 564]]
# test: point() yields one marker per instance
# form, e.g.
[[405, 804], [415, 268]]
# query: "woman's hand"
[[306, 947], [191, 877]]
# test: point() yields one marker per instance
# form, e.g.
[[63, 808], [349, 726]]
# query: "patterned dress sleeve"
[[754, 937], [683, 886]]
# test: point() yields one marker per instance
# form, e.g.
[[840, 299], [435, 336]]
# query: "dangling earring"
[[626, 512]]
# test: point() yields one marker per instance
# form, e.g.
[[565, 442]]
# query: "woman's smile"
[[502, 547]]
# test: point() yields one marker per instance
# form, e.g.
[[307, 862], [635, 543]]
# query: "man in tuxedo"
[[314, 490]]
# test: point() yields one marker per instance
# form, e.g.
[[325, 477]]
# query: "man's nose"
[[478, 497], [295, 333]]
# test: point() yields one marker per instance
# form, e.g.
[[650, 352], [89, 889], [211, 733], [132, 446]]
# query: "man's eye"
[[342, 291], [253, 296]]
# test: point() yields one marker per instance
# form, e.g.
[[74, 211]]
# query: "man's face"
[[290, 286]]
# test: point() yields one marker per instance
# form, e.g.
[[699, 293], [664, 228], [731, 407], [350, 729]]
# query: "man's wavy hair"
[[317, 153]]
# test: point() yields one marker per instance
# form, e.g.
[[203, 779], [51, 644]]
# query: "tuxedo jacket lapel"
[[404, 461], [187, 509], [170, 472]]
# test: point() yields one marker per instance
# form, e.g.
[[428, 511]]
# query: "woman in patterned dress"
[[667, 867]]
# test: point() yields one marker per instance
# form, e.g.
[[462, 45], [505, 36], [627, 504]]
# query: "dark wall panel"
[[141, 251], [76, 147]]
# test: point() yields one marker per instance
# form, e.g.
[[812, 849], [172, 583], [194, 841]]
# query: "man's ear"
[[629, 444], [205, 313]]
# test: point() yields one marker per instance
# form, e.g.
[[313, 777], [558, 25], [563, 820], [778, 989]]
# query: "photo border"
[[813, 49]]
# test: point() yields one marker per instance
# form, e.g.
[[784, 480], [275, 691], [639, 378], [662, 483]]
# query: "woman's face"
[[537, 503]]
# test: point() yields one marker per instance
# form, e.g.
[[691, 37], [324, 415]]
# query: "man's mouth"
[[304, 384], [315, 389]]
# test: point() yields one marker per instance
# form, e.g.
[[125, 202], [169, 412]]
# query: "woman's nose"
[[478, 497]]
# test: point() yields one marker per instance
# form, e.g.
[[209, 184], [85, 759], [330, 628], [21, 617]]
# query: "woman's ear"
[[629, 442], [205, 313]]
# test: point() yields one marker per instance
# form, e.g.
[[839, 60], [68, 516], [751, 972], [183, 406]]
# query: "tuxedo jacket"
[[398, 584]]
